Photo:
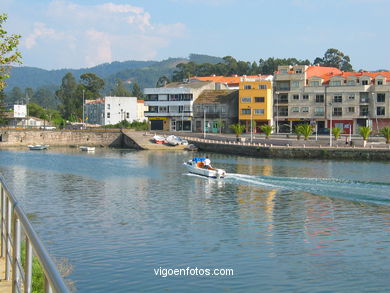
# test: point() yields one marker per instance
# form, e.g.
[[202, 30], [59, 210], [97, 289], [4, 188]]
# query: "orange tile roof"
[[373, 75], [235, 79], [322, 71]]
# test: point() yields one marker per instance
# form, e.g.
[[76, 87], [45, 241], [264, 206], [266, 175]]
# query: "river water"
[[120, 216]]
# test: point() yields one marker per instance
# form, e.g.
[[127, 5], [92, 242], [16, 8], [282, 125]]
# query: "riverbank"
[[291, 152]]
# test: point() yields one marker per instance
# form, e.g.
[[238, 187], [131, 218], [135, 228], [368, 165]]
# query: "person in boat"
[[207, 163]]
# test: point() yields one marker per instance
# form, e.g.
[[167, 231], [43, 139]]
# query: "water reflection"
[[304, 226]]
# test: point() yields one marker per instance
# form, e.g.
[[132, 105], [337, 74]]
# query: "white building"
[[171, 106], [111, 110]]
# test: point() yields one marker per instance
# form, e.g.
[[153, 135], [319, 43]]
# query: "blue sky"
[[83, 33]]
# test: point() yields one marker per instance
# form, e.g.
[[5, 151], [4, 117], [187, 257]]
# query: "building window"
[[335, 83], [338, 99], [351, 82], [108, 114], [295, 109], [337, 111], [319, 98], [259, 99], [351, 109], [351, 97], [295, 83], [380, 111], [108, 106], [245, 111], [380, 98], [305, 97], [298, 71], [364, 110], [223, 109], [246, 99], [365, 82], [379, 82], [295, 97], [127, 115], [283, 71], [262, 86], [305, 109], [247, 87], [319, 111], [259, 111], [315, 83]]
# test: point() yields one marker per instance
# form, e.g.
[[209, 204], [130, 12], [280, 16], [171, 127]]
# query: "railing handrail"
[[50, 270]]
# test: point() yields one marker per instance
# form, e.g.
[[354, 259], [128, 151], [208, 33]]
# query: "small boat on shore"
[[87, 149], [191, 147], [38, 147], [176, 140], [197, 166], [159, 139]]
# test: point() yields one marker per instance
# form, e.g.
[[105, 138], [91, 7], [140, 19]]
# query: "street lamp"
[[277, 112], [83, 107], [204, 122], [250, 109], [330, 126]]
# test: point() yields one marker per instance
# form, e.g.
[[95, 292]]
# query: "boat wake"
[[373, 192]]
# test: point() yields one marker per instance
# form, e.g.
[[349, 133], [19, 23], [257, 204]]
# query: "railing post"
[[28, 267], [16, 256], [8, 240], [2, 221], [47, 286]]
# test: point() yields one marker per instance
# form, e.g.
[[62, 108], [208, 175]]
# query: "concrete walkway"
[[5, 286], [145, 141]]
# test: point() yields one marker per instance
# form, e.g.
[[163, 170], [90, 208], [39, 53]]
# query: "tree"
[[2, 108], [365, 132], [162, 81], [137, 92], [220, 124], [306, 130], [119, 90], [336, 132], [298, 131], [267, 129], [15, 96], [385, 131], [71, 107], [335, 58], [93, 85], [8, 51], [238, 129]]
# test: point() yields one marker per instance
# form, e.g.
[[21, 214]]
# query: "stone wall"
[[296, 153], [111, 138]]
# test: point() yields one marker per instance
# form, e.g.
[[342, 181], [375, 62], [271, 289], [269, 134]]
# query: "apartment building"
[[111, 110], [215, 111], [171, 106], [327, 97], [255, 102]]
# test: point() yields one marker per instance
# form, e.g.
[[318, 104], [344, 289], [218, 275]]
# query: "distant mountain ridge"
[[146, 73]]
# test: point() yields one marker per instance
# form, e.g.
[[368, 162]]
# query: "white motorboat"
[[176, 140], [38, 147], [173, 140], [87, 149], [159, 139], [196, 166]]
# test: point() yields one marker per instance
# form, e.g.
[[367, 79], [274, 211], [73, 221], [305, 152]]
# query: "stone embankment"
[[289, 152]]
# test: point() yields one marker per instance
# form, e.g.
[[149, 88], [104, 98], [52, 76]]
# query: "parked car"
[[48, 127]]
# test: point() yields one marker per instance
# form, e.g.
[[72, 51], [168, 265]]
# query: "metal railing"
[[15, 226]]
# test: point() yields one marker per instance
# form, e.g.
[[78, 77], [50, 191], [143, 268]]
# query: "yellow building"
[[255, 102]]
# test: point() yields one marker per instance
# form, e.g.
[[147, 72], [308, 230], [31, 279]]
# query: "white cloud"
[[101, 33], [40, 31]]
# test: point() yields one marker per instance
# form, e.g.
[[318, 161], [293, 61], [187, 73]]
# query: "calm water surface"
[[281, 225]]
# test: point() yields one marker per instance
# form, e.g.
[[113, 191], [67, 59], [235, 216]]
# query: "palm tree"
[[238, 129], [385, 131], [306, 130], [364, 131], [336, 132], [298, 131], [267, 129]]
